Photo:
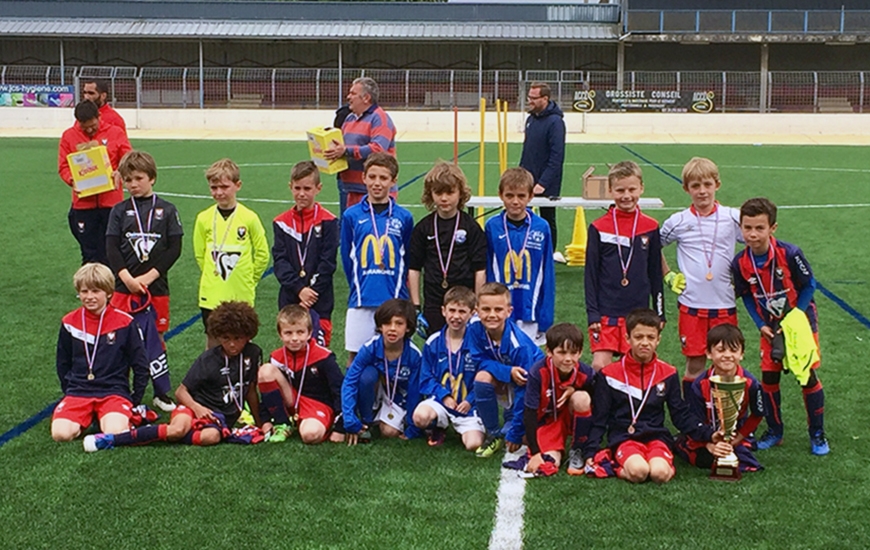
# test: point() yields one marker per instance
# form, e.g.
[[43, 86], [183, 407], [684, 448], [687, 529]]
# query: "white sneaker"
[[164, 403], [559, 258]]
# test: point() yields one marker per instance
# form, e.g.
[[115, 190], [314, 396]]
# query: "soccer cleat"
[[559, 258], [768, 440], [164, 403], [98, 442], [279, 433], [245, 418], [576, 464], [436, 437], [365, 435], [819, 444], [490, 446]]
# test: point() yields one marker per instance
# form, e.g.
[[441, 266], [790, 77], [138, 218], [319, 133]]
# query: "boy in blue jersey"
[[777, 284], [503, 354], [558, 403], [520, 255], [448, 373], [97, 348], [375, 235], [383, 383], [306, 240], [725, 344]]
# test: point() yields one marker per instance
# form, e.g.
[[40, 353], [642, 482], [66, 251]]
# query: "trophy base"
[[724, 470]]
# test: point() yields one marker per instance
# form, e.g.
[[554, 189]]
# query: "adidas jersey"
[[144, 242], [527, 271], [701, 239], [447, 373], [373, 257], [117, 349], [318, 377], [232, 254], [311, 236], [406, 380]]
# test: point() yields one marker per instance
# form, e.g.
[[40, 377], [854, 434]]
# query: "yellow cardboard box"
[[321, 139], [595, 187], [91, 171]]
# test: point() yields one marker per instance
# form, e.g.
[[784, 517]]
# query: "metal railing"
[[416, 89], [748, 21]]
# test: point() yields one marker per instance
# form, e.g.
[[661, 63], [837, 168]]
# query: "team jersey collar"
[[299, 355], [739, 372], [379, 349], [622, 215], [632, 365], [94, 317], [527, 220], [694, 210], [445, 338], [307, 217], [771, 254], [367, 206]]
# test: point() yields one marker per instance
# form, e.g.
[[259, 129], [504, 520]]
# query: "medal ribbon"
[[375, 226], [150, 214], [91, 357], [238, 402], [765, 293], [445, 265], [649, 386], [554, 387], [704, 243], [215, 248], [299, 254], [516, 259], [302, 378], [391, 394], [627, 263], [450, 364]]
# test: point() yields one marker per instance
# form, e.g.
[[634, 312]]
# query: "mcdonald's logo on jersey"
[[455, 385], [382, 251], [517, 266]]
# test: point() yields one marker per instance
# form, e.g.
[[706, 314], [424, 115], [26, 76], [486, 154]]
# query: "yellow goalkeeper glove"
[[676, 281]]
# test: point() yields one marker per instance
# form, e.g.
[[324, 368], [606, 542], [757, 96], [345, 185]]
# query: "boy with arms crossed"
[[97, 348], [774, 279], [383, 383], [705, 234], [448, 246], [213, 393], [448, 374], [558, 403], [375, 234], [520, 255], [623, 265], [306, 241], [725, 350], [630, 397], [302, 379], [229, 244], [143, 242], [503, 354]]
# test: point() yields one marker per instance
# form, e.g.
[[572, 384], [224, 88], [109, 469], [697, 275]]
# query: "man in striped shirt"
[[368, 129]]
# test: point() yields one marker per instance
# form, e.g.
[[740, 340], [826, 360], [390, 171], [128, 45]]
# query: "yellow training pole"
[[481, 185]]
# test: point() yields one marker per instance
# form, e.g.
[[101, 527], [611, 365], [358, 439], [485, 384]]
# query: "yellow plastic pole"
[[481, 185]]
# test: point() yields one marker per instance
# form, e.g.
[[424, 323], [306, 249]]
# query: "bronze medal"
[[302, 273], [630, 429], [444, 284], [90, 376], [709, 276], [144, 258], [624, 281]]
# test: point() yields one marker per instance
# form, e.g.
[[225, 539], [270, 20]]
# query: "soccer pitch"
[[404, 494]]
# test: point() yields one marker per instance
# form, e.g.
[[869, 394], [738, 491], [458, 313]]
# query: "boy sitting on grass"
[[213, 393]]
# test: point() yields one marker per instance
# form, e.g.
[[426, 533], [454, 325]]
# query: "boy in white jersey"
[[705, 234]]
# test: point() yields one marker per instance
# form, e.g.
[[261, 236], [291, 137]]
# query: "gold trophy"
[[727, 393]]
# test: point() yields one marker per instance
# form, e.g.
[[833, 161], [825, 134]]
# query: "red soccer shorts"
[[160, 304], [326, 327], [312, 408], [611, 337], [648, 451], [768, 365], [695, 323], [552, 435], [82, 410]]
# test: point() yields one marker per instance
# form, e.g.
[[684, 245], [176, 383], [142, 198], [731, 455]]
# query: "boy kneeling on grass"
[[213, 393], [630, 397]]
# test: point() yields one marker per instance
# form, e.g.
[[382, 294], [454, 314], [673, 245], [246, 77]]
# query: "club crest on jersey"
[[318, 231], [753, 280], [778, 272], [110, 338], [105, 141], [461, 235], [158, 213], [660, 389], [313, 371], [683, 340], [247, 361], [644, 241], [81, 227], [241, 232]]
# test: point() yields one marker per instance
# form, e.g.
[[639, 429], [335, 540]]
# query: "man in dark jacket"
[[544, 150]]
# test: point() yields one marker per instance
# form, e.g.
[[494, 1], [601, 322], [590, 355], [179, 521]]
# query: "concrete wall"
[[438, 126]]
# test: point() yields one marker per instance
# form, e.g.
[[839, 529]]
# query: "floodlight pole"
[[201, 79], [340, 74], [762, 99], [62, 66]]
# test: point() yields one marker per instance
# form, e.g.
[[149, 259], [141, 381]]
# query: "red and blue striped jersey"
[[371, 132]]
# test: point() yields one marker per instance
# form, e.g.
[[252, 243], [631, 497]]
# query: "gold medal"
[[516, 284], [217, 273], [444, 284], [144, 258], [709, 276], [624, 281], [90, 376], [302, 273], [630, 429], [381, 265], [390, 416]]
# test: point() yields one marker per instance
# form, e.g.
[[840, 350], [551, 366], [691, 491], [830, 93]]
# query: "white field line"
[[507, 529], [288, 202], [495, 163]]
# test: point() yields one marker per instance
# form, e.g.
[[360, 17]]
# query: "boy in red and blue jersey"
[[629, 406], [623, 266], [774, 278], [304, 250], [97, 348], [558, 403], [448, 376], [725, 344]]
